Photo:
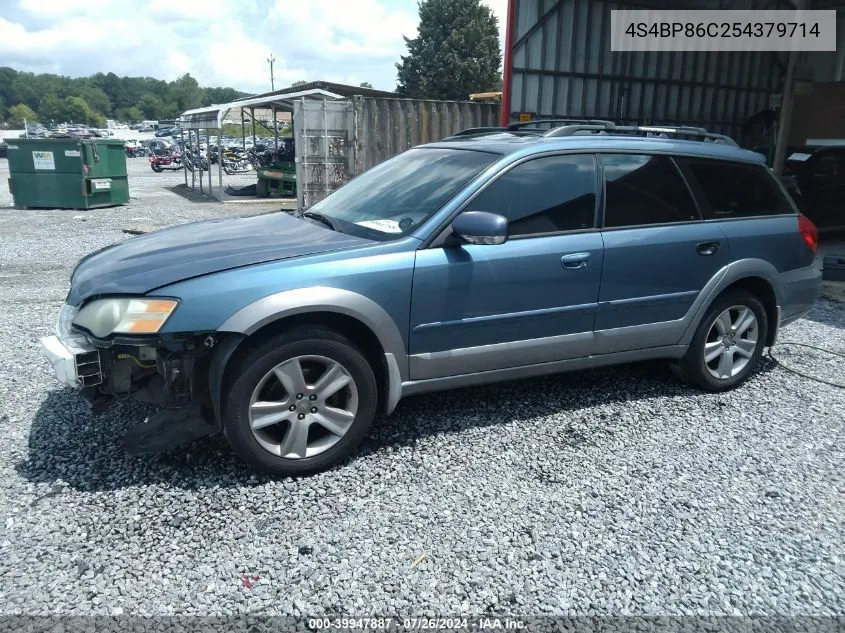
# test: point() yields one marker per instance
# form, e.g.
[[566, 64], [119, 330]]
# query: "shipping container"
[[339, 139]]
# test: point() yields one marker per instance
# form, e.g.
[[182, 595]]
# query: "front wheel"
[[727, 345], [299, 402]]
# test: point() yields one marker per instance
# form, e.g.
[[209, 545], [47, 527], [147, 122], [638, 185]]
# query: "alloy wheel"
[[731, 342], [303, 406]]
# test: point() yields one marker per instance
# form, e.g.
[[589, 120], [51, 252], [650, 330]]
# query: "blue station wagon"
[[489, 256]]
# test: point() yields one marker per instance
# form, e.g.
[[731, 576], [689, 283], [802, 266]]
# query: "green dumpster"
[[67, 173]]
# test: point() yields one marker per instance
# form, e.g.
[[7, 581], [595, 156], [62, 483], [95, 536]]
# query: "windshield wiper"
[[314, 215]]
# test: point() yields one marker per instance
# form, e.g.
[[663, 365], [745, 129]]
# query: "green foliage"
[[133, 115], [365, 84], [152, 107], [92, 99], [220, 95], [70, 110], [20, 113], [296, 84], [455, 54]]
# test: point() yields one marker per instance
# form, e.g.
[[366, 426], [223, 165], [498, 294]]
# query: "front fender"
[[277, 306]]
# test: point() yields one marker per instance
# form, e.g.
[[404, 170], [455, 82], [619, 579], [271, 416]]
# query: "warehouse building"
[[558, 63]]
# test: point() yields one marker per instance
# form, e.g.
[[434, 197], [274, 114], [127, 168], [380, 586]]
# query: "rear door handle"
[[707, 248], [575, 261]]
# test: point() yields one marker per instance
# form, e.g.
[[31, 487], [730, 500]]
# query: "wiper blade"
[[321, 218]]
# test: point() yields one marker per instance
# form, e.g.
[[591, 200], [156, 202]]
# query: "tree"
[[365, 84], [132, 114], [221, 95], [51, 108], [186, 93], [21, 112], [296, 84], [455, 53], [151, 106], [105, 94]]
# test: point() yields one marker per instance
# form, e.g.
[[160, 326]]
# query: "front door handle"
[[707, 248], [574, 261]]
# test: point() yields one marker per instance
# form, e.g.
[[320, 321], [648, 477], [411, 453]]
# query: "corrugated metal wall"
[[386, 127], [563, 66], [337, 140]]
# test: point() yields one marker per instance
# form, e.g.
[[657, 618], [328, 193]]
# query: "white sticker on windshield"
[[799, 156], [385, 226]]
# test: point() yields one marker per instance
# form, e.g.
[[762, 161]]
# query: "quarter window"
[[735, 190], [642, 189], [544, 195]]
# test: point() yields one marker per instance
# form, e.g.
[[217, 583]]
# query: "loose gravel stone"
[[594, 493]]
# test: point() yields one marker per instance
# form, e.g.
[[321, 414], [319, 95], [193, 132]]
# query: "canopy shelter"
[[211, 119]]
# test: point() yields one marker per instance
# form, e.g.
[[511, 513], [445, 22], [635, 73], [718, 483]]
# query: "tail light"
[[809, 232]]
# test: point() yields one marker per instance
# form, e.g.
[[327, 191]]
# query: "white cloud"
[[220, 42]]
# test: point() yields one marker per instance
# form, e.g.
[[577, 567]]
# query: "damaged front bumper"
[[75, 361], [76, 365], [169, 371]]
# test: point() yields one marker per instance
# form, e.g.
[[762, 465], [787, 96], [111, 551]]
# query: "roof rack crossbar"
[[643, 130], [564, 121]]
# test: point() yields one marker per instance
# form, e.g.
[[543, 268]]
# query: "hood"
[[146, 262]]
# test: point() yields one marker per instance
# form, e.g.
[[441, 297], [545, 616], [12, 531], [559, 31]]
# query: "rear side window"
[[641, 189], [734, 190], [544, 195]]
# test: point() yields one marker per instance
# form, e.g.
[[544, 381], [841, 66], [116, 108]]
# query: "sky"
[[220, 42]]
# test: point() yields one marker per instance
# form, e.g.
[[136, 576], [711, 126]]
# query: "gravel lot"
[[605, 492]]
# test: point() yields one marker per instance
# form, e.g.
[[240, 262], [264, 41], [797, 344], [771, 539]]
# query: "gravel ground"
[[604, 492]]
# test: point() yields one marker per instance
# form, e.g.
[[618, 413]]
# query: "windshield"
[[395, 197]]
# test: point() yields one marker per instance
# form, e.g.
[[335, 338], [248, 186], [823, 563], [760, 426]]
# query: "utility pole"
[[270, 61]]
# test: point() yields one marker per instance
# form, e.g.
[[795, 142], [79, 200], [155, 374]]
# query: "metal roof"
[[212, 117], [344, 90]]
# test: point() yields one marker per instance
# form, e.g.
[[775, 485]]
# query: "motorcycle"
[[192, 158], [235, 162], [171, 162]]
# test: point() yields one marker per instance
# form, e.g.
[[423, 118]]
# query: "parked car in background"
[[488, 257], [820, 178]]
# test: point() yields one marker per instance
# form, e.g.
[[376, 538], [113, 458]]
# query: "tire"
[[156, 168], [262, 188], [228, 170], [737, 340], [255, 374]]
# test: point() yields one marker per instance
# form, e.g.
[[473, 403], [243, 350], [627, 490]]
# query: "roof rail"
[[608, 127], [521, 127], [566, 121], [479, 130]]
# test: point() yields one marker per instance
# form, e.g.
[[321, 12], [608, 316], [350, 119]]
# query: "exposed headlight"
[[103, 317]]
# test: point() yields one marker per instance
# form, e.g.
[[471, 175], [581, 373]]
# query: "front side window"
[[641, 189], [544, 195], [735, 190], [396, 196]]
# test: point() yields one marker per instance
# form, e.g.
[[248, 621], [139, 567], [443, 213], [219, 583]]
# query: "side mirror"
[[481, 227]]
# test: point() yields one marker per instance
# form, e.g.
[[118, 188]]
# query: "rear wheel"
[[299, 402], [727, 344], [156, 167]]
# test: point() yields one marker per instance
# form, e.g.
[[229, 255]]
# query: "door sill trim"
[[412, 387]]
